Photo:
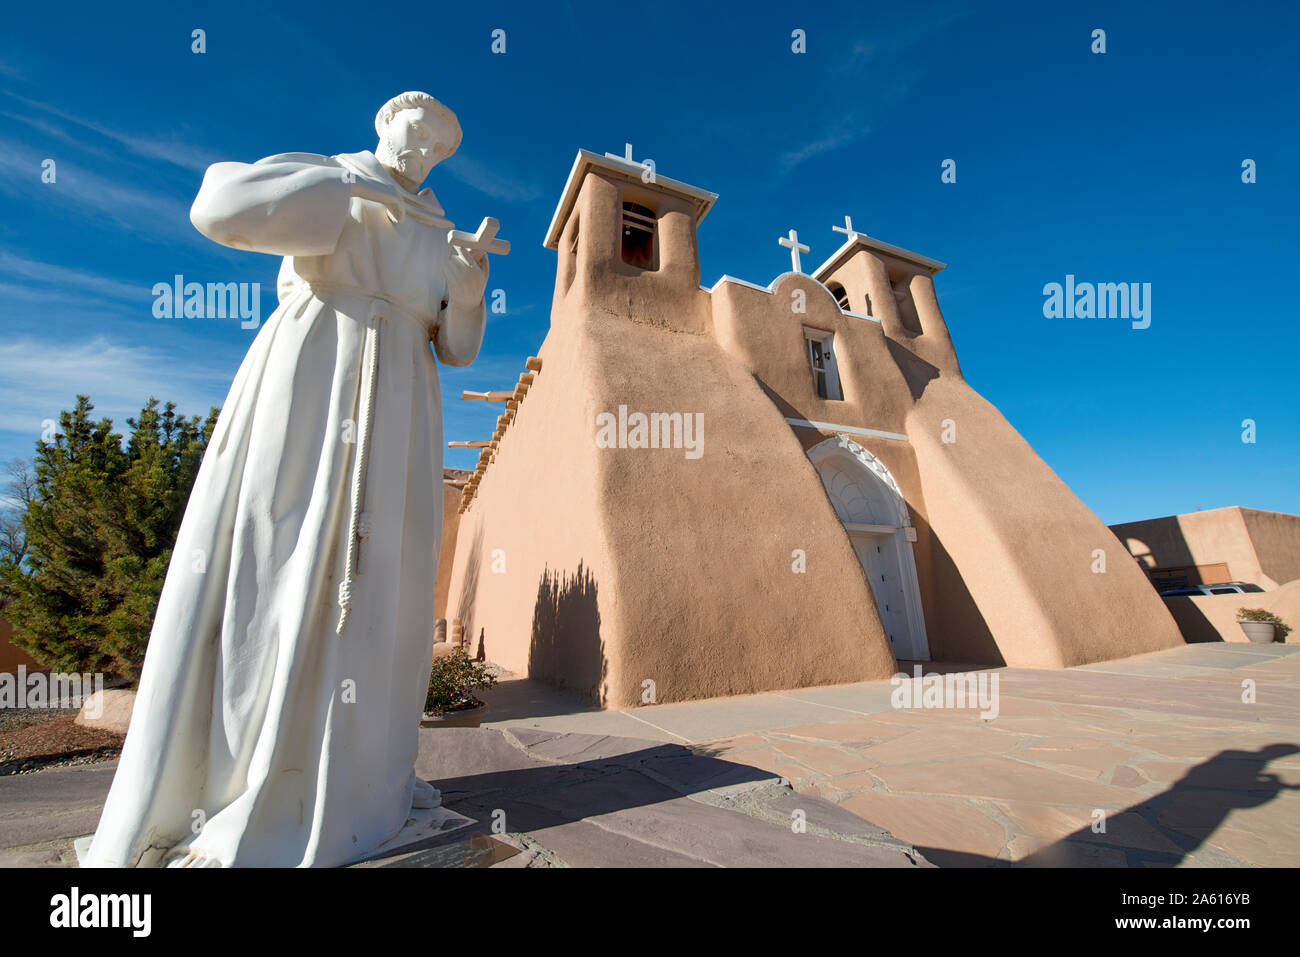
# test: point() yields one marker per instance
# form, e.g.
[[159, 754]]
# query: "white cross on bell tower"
[[792, 243], [626, 157], [847, 229], [647, 165]]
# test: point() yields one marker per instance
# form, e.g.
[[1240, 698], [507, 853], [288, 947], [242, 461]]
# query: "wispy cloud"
[[505, 186], [79, 189], [909, 27], [64, 278], [41, 377], [173, 150], [829, 143], [886, 59], [62, 134]]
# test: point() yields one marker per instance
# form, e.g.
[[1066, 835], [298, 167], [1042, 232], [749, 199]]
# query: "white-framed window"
[[821, 356]]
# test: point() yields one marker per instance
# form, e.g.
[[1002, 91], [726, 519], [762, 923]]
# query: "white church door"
[[871, 506], [880, 563]]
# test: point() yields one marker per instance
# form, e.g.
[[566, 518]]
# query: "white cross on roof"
[[847, 229], [792, 243], [627, 155]]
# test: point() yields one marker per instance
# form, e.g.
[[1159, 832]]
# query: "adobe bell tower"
[[627, 246], [896, 286]]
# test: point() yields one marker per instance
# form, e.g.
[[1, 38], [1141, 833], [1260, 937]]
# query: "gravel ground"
[[14, 718], [32, 739]]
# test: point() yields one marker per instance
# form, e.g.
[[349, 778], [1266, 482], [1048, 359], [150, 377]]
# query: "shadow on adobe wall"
[[566, 649], [1170, 550], [469, 585], [963, 634], [785, 408], [1191, 621], [916, 371]]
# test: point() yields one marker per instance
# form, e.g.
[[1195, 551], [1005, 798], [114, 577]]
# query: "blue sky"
[[1120, 167]]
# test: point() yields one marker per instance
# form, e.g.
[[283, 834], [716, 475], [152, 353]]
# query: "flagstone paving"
[[1158, 760]]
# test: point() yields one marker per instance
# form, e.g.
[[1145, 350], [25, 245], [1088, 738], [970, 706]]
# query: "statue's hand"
[[388, 195], [467, 275]]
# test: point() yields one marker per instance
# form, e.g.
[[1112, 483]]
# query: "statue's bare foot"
[[425, 795], [186, 858]]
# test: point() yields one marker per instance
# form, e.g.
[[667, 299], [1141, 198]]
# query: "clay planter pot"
[[465, 718], [1259, 632]]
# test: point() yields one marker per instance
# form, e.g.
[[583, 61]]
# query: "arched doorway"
[[871, 506]]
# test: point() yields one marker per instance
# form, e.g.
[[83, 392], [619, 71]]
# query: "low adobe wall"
[[1214, 617], [1212, 537]]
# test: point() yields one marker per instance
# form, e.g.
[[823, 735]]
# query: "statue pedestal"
[[421, 824]]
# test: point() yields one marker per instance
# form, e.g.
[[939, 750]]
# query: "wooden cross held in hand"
[[795, 248], [484, 240]]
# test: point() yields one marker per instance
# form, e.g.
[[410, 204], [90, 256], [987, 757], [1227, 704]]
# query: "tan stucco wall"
[[709, 603], [536, 510], [1276, 537], [759, 329], [447, 546], [1023, 545], [1257, 546], [1216, 536], [1004, 549]]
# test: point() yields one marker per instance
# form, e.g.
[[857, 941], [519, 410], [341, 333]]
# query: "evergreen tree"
[[99, 534]]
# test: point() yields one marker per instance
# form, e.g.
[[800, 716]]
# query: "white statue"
[[277, 715]]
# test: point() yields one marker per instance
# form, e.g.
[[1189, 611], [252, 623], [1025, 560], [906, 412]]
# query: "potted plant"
[[1262, 626], [450, 701]]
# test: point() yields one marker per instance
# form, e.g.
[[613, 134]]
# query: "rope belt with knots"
[[358, 517]]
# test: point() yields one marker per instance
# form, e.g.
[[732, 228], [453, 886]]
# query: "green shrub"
[[453, 681], [1280, 628]]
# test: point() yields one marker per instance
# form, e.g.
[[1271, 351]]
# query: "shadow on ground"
[[601, 801], [1184, 816]]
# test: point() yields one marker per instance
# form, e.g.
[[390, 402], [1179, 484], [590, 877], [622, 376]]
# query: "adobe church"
[[721, 491]]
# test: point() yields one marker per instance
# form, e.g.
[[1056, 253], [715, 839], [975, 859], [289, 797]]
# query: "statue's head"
[[416, 133]]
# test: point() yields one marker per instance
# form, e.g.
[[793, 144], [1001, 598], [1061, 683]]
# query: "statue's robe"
[[261, 736]]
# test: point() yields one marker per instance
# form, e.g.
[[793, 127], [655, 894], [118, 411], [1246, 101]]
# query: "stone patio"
[[1185, 772], [1161, 747]]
